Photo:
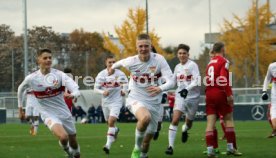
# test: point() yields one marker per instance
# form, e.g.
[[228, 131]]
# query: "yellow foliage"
[[239, 35], [127, 33]]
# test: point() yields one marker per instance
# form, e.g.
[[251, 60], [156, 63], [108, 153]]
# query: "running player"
[[144, 98], [112, 87], [32, 115], [219, 100], [271, 77], [48, 86], [186, 75]]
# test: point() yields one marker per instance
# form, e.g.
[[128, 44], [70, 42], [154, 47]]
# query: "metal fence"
[[242, 97]]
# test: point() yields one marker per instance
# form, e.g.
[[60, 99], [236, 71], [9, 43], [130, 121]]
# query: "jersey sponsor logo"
[[257, 112], [184, 78], [49, 92], [110, 84]]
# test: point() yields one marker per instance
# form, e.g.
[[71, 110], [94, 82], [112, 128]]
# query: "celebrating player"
[[112, 86], [186, 75], [219, 101], [144, 98], [48, 86], [271, 77], [32, 115]]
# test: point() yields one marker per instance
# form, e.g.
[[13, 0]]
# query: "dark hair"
[[44, 51], [153, 49], [183, 46], [109, 57], [67, 70], [217, 47], [143, 36]]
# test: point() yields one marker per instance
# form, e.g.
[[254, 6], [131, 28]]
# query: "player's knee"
[[63, 137], [146, 119]]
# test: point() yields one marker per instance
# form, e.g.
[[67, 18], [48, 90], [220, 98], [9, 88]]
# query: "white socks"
[[35, 124], [185, 128], [172, 134], [110, 136], [139, 136]]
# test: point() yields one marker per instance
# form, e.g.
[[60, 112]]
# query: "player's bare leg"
[[143, 117], [67, 142], [146, 145], [173, 130], [111, 133], [230, 135], [209, 136]]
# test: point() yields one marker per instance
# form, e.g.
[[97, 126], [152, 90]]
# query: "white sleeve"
[[195, 78], [167, 75], [98, 84], [71, 85], [124, 63], [124, 81], [267, 79], [21, 89]]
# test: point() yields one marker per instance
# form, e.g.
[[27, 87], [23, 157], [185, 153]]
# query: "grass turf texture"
[[15, 141]]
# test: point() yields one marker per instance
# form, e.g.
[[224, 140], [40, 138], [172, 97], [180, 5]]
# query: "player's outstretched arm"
[[266, 83]]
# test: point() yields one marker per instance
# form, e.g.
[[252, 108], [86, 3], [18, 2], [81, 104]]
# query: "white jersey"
[[187, 77], [271, 77], [145, 74], [48, 90], [113, 83], [30, 98]]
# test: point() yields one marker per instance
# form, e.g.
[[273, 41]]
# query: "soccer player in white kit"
[[32, 115], [48, 86], [187, 94], [271, 78], [144, 98], [112, 87]]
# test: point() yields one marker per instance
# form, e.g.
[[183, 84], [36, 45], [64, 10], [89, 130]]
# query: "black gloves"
[[183, 93], [264, 95], [164, 98]]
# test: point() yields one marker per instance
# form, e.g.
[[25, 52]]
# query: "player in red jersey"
[[68, 101], [219, 100]]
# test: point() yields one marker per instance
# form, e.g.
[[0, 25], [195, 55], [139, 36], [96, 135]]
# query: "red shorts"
[[216, 102]]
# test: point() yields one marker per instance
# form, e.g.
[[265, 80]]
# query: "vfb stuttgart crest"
[[152, 69]]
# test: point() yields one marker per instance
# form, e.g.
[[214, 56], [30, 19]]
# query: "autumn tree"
[[44, 37], [127, 33], [10, 46], [86, 45], [239, 36]]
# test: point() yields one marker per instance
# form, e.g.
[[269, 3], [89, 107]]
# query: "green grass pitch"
[[15, 141]]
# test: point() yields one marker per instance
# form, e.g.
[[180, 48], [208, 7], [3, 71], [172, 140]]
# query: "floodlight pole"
[[147, 17], [25, 38], [257, 44]]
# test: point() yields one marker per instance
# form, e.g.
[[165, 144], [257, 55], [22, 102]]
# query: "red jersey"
[[171, 99], [69, 102], [217, 75]]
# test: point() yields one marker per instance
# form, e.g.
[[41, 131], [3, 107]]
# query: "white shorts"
[[67, 123], [187, 106], [273, 108], [31, 111], [31, 103], [133, 105], [112, 110], [161, 113]]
